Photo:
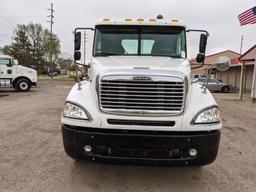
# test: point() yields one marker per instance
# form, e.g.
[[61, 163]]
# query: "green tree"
[[32, 46], [64, 63], [20, 49], [51, 47], [72, 68], [5, 50]]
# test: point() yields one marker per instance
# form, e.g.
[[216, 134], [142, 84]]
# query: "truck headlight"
[[74, 111], [208, 116]]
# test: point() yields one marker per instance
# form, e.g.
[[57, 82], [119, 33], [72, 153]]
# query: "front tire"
[[225, 89], [23, 85]]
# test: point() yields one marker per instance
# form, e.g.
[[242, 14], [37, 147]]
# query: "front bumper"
[[141, 147]]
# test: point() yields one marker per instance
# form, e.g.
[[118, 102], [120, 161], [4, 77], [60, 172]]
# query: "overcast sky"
[[219, 17]]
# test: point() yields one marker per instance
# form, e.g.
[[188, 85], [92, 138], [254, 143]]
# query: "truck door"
[[5, 72], [5, 68]]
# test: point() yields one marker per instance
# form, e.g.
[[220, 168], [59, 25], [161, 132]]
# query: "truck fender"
[[18, 78]]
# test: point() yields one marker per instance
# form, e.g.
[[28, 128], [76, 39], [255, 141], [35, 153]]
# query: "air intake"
[[141, 94]]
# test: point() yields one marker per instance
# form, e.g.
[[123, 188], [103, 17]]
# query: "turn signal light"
[[174, 20], [152, 20], [106, 19]]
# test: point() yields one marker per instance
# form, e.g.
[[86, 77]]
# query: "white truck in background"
[[17, 76], [139, 104]]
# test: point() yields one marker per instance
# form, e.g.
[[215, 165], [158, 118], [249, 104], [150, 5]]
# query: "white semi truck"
[[138, 104], [13, 75]]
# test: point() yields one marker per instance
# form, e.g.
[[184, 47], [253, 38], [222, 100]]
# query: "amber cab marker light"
[[140, 20], [174, 21], [106, 19], [152, 20]]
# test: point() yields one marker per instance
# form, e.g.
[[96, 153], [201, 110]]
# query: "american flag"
[[248, 17]]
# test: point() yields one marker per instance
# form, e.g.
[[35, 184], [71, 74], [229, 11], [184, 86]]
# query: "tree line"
[[32, 46]]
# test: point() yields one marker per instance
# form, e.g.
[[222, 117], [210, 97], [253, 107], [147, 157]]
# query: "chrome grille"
[[127, 95]]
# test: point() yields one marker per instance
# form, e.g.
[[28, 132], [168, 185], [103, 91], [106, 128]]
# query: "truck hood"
[[27, 72], [22, 69], [141, 62]]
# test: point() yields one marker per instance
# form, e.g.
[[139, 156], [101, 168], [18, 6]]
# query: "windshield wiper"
[[106, 54], [172, 56]]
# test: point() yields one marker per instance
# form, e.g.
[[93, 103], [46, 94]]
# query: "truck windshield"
[[140, 40], [4, 61]]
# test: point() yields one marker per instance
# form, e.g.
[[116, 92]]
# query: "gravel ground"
[[32, 156]]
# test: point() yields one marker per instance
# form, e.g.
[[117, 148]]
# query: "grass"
[[56, 78]]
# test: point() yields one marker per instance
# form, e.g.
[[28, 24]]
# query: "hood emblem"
[[142, 78]]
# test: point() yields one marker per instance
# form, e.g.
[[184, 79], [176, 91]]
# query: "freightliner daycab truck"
[[138, 103], [17, 76]]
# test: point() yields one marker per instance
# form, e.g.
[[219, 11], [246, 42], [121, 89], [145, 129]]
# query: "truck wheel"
[[225, 89], [23, 85]]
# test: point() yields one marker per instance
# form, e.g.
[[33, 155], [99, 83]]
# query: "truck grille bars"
[[141, 94]]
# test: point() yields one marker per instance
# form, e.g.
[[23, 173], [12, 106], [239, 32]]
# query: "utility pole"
[[241, 89], [51, 24]]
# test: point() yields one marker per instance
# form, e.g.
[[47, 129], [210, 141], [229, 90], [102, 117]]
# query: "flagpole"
[[241, 47], [241, 89], [246, 18]]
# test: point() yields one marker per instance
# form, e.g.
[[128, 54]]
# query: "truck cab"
[[139, 104], [13, 75]]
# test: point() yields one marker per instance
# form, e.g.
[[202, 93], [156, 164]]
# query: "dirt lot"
[[32, 156]]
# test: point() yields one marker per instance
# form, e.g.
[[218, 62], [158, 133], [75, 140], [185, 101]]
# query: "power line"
[[5, 35], [16, 21], [4, 41], [63, 40], [63, 27], [5, 18], [68, 20], [7, 25]]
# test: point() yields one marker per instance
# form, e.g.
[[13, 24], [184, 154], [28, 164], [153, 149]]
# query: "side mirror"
[[203, 43], [222, 63], [77, 55], [15, 61], [77, 41], [200, 58]]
